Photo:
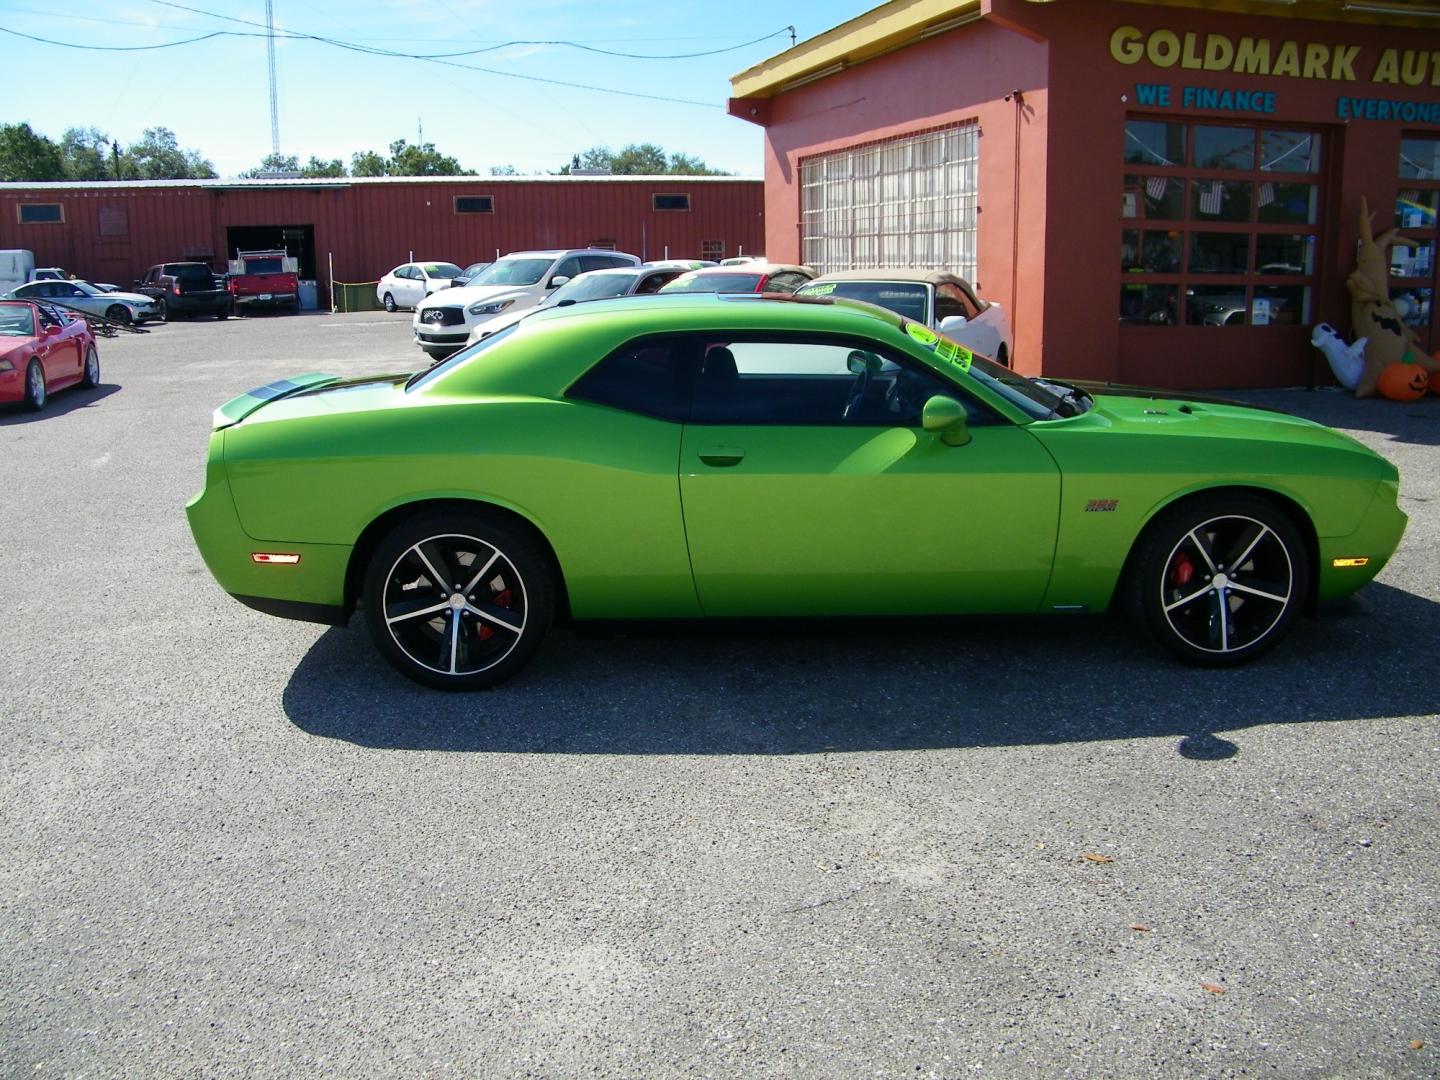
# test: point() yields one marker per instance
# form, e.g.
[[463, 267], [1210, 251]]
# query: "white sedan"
[[121, 307], [409, 283], [940, 300]]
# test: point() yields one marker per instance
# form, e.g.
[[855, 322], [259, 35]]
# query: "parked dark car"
[[186, 288]]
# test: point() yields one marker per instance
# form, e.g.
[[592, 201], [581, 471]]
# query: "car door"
[[58, 350], [811, 490], [73, 296]]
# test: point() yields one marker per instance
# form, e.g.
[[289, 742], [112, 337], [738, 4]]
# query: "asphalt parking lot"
[[236, 845]]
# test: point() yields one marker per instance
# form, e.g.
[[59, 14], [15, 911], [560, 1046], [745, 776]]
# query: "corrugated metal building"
[[114, 231]]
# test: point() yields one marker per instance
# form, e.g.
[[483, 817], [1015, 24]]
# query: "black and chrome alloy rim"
[[37, 385], [454, 604], [1227, 583], [92, 366]]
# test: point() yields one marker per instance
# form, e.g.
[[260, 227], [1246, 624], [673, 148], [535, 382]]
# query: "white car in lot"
[[940, 300], [409, 283], [515, 283], [591, 285], [121, 307]]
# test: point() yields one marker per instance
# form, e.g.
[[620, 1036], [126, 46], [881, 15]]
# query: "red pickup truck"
[[261, 279]]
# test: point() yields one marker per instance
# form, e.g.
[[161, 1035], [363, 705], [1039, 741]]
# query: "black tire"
[[164, 314], [389, 302], [295, 308], [36, 393], [91, 378], [501, 619], [118, 313], [1219, 580], [1003, 357], [222, 312]]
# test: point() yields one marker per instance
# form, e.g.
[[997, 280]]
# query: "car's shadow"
[[794, 688], [65, 401]]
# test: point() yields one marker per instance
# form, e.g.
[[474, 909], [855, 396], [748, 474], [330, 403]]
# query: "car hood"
[[1162, 412], [464, 295]]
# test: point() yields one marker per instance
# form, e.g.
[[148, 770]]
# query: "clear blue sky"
[[214, 94]]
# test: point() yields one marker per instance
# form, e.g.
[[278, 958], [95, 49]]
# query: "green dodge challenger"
[[687, 456]]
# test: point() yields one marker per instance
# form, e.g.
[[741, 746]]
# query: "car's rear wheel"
[[35, 392], [1219, 580], [118, 313], [91, 378], [163, 313], [389, 302], [458, 601], [222, 313]]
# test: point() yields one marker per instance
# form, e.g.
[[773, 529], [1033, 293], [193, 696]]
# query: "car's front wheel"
[[458, 601], [118, 313], [1217, 581], [91, 378], [389, 302], [35, 392]]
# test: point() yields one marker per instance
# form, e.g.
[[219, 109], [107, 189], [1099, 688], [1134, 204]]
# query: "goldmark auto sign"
[[1266, 56]]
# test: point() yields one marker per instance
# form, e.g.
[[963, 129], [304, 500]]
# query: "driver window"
[[567, 268], [949, 301], [814, 384]]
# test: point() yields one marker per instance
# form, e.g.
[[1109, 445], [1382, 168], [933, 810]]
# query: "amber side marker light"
[[275, 558], [1359, 560]]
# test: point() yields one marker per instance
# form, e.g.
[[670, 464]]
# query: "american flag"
[[1155, 187], [1210, 199], [1267, 193]]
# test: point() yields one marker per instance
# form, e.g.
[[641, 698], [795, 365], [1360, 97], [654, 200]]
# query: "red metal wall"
[[372, 226]]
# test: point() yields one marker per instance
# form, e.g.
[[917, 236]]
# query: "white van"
[[17, 267], [515, 283]]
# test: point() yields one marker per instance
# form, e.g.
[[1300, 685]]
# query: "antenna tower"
[[274, 98]]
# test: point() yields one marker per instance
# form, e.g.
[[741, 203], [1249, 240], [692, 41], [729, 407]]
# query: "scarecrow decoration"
[[1390, 342]]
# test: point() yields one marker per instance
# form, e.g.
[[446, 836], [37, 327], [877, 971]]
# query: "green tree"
[[639, 159], [316, 167], [274, 163], [367, 163], [86, 153], [421, 160], [503, 170], [158, 156], [25, 154]]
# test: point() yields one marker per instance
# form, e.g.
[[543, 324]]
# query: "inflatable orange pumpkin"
[[1404, 382]]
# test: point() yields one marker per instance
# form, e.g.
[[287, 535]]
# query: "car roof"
[[611, 271], [760, 311], [929, 277], [555, 253]]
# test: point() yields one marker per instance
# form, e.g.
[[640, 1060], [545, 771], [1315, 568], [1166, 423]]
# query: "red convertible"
[[41, 350]]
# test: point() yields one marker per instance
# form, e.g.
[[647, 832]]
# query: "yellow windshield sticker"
[[923, 334], [944, 348]]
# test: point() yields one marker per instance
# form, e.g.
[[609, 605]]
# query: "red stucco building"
[[113, 231], [1162, 193]]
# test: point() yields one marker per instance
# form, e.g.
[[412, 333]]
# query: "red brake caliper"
[[503, 600], [1181, 571]]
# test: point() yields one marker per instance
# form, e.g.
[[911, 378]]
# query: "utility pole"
[[115, 149], [274, 99]]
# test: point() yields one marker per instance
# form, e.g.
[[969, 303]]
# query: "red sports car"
[[42, 349]]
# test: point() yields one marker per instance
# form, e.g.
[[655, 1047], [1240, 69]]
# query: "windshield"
[[716, 283], [910, 299], [17, 320], [87, 288], [473, 269], [513, 272], [424, 378], [441, 270], [194, 272], [591, 287], [1025, 394]]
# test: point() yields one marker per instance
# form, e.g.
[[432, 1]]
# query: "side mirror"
[[50, 330], [951, 323], [557, 281], [861, 363], [945, 417]]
